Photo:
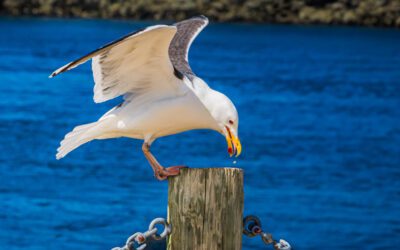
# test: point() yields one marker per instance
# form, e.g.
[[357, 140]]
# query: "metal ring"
[[131, 239], [256, 229], [164, 234], [267, 238], [249, 222]]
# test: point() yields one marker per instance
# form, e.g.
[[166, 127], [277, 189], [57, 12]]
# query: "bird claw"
[[164, 173]]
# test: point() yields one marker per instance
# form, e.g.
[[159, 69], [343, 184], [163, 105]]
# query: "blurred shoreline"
[[384, 13]]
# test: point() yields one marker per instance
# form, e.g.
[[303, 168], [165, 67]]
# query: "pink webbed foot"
[[164, 173]]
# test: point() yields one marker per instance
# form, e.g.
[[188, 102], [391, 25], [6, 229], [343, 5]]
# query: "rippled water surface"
[[319, 121]]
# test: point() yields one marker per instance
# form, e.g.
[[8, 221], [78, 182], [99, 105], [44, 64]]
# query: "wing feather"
[[134, 64], [187, 31]]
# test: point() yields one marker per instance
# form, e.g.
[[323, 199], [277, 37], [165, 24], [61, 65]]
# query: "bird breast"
[[166, 116]]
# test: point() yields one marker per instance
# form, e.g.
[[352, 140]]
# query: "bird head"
[[226, 116]]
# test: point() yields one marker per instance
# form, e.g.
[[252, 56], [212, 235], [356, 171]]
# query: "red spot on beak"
[[230, 150]]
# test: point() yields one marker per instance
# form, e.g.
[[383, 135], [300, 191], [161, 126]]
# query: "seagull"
[[161, 94]]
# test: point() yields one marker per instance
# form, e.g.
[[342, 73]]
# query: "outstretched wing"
[[134, 64], [180, 44]]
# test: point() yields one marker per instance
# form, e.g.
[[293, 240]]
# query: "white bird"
[[162, 96]]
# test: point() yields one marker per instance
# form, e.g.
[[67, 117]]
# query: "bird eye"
[[230, 121]]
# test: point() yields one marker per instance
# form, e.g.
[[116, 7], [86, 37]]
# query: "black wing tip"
[[178, 74], [52, 75], [56, 73]]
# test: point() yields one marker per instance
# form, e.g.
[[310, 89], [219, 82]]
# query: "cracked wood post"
[[205, 209]]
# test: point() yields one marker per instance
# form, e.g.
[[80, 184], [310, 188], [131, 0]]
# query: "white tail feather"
[[80, 135]]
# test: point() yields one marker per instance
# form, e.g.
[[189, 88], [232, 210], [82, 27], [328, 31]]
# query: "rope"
[[252, 228], [137, 241]]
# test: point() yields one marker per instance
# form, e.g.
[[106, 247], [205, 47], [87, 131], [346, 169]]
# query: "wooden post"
[[205, 209]]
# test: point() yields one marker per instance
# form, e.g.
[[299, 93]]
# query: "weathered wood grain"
[[205, 209]]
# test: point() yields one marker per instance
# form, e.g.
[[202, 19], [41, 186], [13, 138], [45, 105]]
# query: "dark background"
[[349, 12]]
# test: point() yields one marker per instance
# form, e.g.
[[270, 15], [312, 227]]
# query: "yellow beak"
[[234, 145]]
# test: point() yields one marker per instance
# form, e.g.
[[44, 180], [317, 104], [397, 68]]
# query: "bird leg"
[[160, 172]]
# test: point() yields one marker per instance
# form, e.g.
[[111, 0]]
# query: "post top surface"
[[224, 169]]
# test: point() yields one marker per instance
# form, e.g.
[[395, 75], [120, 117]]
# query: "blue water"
[[319, 121]]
